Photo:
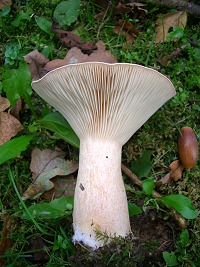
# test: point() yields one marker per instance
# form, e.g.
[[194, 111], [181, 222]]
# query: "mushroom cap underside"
[[107, 101]]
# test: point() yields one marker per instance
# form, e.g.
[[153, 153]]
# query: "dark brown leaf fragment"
[[6, 241], [63, 186], [125, 28], [70, 40], [16, 109], [36, 62]]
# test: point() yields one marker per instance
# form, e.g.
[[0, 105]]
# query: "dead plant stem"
[[177, 217]]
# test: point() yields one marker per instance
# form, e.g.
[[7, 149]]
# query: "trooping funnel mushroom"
[[105, 104]]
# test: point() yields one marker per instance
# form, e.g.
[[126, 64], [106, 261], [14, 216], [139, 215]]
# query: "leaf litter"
[[39, 65], [9, 125], [45, 165], [120, 8], [6, 241], [167, 22], [125, 28]]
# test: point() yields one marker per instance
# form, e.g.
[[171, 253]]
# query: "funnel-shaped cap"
[[107, 101]]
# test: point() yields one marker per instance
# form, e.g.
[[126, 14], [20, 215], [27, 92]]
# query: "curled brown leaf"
[[176, 170], [16, 109], [36, 62], [45, 165], [5, 241], [125, 28], [63, 186], [70, 40]]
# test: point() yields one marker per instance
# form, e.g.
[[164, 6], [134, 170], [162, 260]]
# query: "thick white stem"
[[100, 202]]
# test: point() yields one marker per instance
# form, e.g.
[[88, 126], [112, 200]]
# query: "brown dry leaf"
[[38, 247], [4, 3], [4, 103], [16, 109], [75, 55], [136, 8], [63, 186], [9, 127], [176, 170], [164, 180], [163, 61], [45, 165], [5, 241], [70, 40], [43, 160], [33, 191], [168, 21], [126, 29], [36, 62]]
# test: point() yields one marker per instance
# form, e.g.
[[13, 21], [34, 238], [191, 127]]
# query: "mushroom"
[[105, 104]]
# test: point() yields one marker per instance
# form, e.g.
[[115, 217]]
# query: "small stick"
[[131, 175], [177, 217]]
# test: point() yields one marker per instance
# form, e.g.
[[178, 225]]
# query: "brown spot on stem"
[[82, 187]]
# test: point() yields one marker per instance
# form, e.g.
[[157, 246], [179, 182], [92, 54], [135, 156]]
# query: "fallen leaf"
[[44, 160], [70, 40], [63, 186], [6, 241], [75, 55], [37, 249], [36, 63], [164, 180], [126, 29], [4, 3], [33, 191], [164, 61], [136, 8], [45, 165], [54, 64], [16, 109], [168, 21], [4, 103], [176, 170], [9, 127]]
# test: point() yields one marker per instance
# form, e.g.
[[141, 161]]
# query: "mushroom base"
[[100, 203]]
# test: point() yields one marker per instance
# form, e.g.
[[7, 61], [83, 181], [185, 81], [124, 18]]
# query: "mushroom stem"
[[100, 203]]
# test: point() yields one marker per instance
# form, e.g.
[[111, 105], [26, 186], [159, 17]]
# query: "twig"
[[177, 217], [129, 173]]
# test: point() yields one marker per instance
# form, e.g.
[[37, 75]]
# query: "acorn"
[[188, 147]]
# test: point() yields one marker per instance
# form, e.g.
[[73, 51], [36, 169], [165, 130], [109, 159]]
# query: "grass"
[[37, 242]]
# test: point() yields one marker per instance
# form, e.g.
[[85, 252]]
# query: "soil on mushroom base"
[[153, 235]]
